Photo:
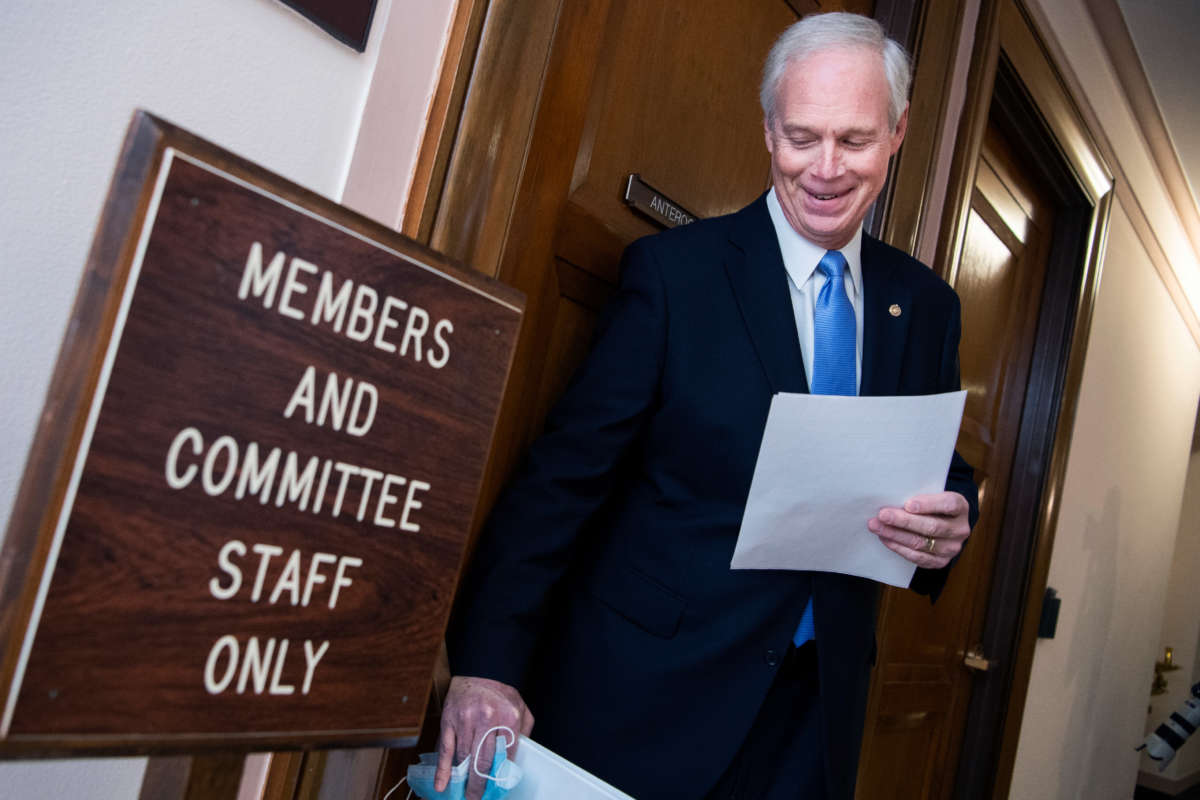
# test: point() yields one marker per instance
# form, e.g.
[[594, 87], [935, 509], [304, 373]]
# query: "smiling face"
[[830, 142]]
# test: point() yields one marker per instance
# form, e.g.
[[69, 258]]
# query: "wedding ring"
[[929, 542]]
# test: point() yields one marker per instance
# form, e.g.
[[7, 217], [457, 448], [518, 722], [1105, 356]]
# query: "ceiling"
[[1166, 35]]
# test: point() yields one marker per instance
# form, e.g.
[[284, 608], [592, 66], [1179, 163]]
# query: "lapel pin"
[[894, 310]]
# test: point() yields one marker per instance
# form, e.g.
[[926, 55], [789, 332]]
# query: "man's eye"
[[855, 144]]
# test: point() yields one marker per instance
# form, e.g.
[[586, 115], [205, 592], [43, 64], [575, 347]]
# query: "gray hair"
[[818, 32]]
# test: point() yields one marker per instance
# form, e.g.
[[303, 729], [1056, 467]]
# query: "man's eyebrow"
[[859, 132], [794, 129]]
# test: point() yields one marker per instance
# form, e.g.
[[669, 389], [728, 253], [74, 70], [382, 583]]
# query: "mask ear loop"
[[397, 786], [507, 744]]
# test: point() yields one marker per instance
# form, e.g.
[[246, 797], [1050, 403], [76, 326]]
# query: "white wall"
[[1181, 630], [1090, 685], [250, 75]]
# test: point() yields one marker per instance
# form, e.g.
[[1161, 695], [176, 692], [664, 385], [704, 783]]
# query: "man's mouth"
[[825, 196]]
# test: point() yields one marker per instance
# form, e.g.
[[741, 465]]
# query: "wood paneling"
[[341, 775], [906, 211], [1048, 93], [283, 775], [445, 112], [493, 138], [201, 777]]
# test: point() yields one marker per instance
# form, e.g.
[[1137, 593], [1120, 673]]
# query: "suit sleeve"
[[961, 476], [568, 474]]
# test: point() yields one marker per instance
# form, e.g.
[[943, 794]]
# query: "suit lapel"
[[759, 282], [884, 330], [756, 274]]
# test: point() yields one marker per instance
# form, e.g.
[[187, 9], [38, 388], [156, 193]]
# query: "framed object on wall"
[[348, 21]]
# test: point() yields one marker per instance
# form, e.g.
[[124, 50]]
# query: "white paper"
[[827, 464], [549, 776]]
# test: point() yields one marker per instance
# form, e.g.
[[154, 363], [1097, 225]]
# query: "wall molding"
[[1118, 42], [1135, 88]]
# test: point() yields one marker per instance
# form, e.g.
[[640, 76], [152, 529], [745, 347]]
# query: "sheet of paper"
[[827, 464]]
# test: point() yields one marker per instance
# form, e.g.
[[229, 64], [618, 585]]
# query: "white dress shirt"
[[800, 259]]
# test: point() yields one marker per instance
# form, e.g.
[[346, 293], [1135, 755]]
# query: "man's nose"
[[829, 162]]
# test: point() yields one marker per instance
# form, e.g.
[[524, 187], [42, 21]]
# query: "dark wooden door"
[[664, 89], [922, 684]]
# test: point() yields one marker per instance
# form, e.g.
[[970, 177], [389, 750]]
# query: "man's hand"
[[929, 531], [473, 705]]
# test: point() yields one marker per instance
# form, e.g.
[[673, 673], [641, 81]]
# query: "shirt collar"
[[801, 257]]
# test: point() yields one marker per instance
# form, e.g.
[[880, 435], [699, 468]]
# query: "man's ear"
[[901, 129], [767, 136]]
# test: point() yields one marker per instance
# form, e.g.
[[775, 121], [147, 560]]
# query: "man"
[[602, 593]]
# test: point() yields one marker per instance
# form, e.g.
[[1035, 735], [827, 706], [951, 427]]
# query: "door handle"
[[976, 660]]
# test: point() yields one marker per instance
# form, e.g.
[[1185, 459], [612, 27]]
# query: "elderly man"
[[601, 593]]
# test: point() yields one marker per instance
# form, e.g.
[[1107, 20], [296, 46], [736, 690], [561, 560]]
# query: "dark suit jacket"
[[601, 587]]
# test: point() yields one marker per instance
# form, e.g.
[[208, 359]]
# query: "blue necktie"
[[835, 362]]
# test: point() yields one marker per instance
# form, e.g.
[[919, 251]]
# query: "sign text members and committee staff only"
[[248, 500]]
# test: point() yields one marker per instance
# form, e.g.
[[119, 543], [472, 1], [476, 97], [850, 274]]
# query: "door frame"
[[1013, 74], [1011, 595]]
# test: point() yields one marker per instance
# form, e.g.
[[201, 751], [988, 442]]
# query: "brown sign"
[[245, 511]]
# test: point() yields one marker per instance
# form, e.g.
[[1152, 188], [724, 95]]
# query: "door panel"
[[580, 299], [665, 89], [675, 100], [919, 699]]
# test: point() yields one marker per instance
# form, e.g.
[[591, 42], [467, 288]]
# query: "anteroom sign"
[[244, 515]]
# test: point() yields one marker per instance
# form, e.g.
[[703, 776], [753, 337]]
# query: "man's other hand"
[[473, 705], [929, 530]]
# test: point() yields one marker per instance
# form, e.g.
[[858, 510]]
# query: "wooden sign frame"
[[393, 619]]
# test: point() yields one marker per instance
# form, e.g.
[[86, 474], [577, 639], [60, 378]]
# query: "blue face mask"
[[504, 775]]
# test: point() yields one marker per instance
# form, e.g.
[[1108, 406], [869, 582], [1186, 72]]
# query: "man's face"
[[831, 141]]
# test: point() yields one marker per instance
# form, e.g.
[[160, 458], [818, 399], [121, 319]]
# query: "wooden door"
[[921, 689], [664, 89]]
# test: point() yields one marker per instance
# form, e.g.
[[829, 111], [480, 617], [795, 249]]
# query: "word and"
[[335, 400]]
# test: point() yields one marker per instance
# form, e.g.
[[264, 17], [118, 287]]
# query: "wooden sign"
[[247, 504]]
